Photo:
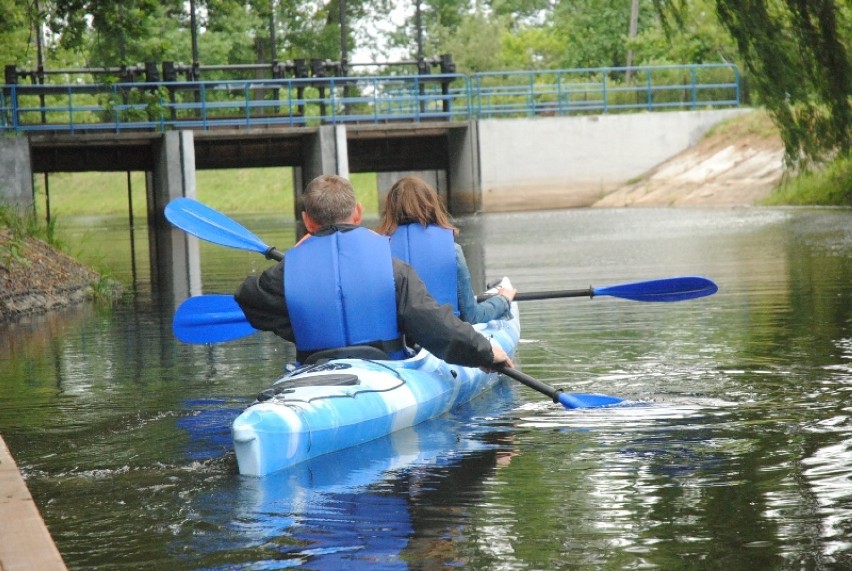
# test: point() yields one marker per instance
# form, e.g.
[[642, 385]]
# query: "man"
[[340, 287]]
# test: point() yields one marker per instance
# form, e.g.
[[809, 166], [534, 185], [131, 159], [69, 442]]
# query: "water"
[[735, 451]]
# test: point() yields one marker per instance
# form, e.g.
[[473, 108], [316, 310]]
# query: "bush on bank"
[[830, 185]]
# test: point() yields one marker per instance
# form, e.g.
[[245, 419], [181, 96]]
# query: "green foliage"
[[796, 54], [20, 227], [118, 32], [12, 252], [595, 30], [15, 29], [829, 185], [475, 43], [699, 38], [134, 105]]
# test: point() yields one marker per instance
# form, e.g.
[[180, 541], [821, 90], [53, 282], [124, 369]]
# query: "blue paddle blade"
[[203, 222], [210, 319], [578, 400], [665, 289]]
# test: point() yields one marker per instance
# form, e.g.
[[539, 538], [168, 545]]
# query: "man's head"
[[330, 199]]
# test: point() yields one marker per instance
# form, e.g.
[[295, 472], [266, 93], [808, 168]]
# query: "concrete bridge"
[[479, 165]]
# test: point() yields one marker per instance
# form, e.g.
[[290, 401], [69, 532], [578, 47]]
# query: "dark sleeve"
[[262, 300], [435, 327]]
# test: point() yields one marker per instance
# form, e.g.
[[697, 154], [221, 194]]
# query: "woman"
[[422, 235]]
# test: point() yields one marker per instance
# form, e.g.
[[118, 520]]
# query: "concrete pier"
[[16, 179], [25, 544]]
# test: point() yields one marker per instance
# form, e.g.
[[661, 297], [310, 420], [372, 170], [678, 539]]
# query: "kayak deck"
[[342, 403]]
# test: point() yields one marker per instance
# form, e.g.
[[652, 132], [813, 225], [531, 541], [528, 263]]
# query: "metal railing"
[[605, 90], [160, 106]]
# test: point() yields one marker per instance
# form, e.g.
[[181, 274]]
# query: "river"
[[734, 450]]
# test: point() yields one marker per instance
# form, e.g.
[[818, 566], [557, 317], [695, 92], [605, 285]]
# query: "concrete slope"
[[715, 172]]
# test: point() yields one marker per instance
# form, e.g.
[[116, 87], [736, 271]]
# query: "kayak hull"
[[343, 403]]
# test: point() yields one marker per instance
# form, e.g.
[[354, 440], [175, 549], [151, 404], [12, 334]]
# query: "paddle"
[[211, 318], [203, 222], [214, 318], [568, 400], [664, 289]]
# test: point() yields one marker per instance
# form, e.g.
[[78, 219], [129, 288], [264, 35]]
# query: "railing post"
[[737, 83], [650, 89], [203, 94], [531, 97], [70, 109], [333, 101], [694, 77], [14, 94], [447, 67], [246, 102]]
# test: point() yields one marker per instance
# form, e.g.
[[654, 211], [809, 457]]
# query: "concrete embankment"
[[641, 159], [25, 543]]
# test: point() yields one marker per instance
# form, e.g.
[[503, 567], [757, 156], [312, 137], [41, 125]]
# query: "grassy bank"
[[829, 186], [245, 191]]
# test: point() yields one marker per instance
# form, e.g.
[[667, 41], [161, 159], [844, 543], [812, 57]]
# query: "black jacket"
[[422, 321]]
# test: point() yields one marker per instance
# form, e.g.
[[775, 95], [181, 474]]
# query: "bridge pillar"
[[325, 152], [16, 175], [464, 179], [175, 262]]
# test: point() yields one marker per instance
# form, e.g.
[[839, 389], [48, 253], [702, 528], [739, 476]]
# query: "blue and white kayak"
[[340, 403]]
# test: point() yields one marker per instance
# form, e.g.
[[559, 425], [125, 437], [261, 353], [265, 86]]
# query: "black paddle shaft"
[[529, 381], [533, 295]]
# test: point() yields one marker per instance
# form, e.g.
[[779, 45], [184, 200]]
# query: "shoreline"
[[36, 277]]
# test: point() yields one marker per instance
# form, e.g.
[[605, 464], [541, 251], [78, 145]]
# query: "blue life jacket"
[[431, 251], [340, 292]]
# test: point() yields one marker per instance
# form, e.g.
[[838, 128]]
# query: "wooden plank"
[[25, 543]]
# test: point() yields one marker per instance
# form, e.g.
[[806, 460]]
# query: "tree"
[[796, 53], [18, 45], [117, 32]]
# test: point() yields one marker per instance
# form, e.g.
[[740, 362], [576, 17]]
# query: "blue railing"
[[294, 102]]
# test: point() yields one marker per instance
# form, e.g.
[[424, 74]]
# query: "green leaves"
[[797, 55]]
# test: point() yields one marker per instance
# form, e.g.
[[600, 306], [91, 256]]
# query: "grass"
[[756, 124], [242, 191], [828, 186], [23, 225]]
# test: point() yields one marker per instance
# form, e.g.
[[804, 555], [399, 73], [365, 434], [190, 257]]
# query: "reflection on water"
[[735, 450]]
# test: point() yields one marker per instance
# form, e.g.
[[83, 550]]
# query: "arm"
[[492, 308], [262, 300], [434, 326]]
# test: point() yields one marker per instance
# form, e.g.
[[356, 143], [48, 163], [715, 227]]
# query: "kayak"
[[344, 402]]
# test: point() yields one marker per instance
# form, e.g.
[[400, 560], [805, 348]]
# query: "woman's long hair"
[[412, 199]]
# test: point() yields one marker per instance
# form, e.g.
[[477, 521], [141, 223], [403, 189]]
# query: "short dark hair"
[[329, 199]]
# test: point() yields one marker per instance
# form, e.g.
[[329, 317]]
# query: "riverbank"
[[35, 277]]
